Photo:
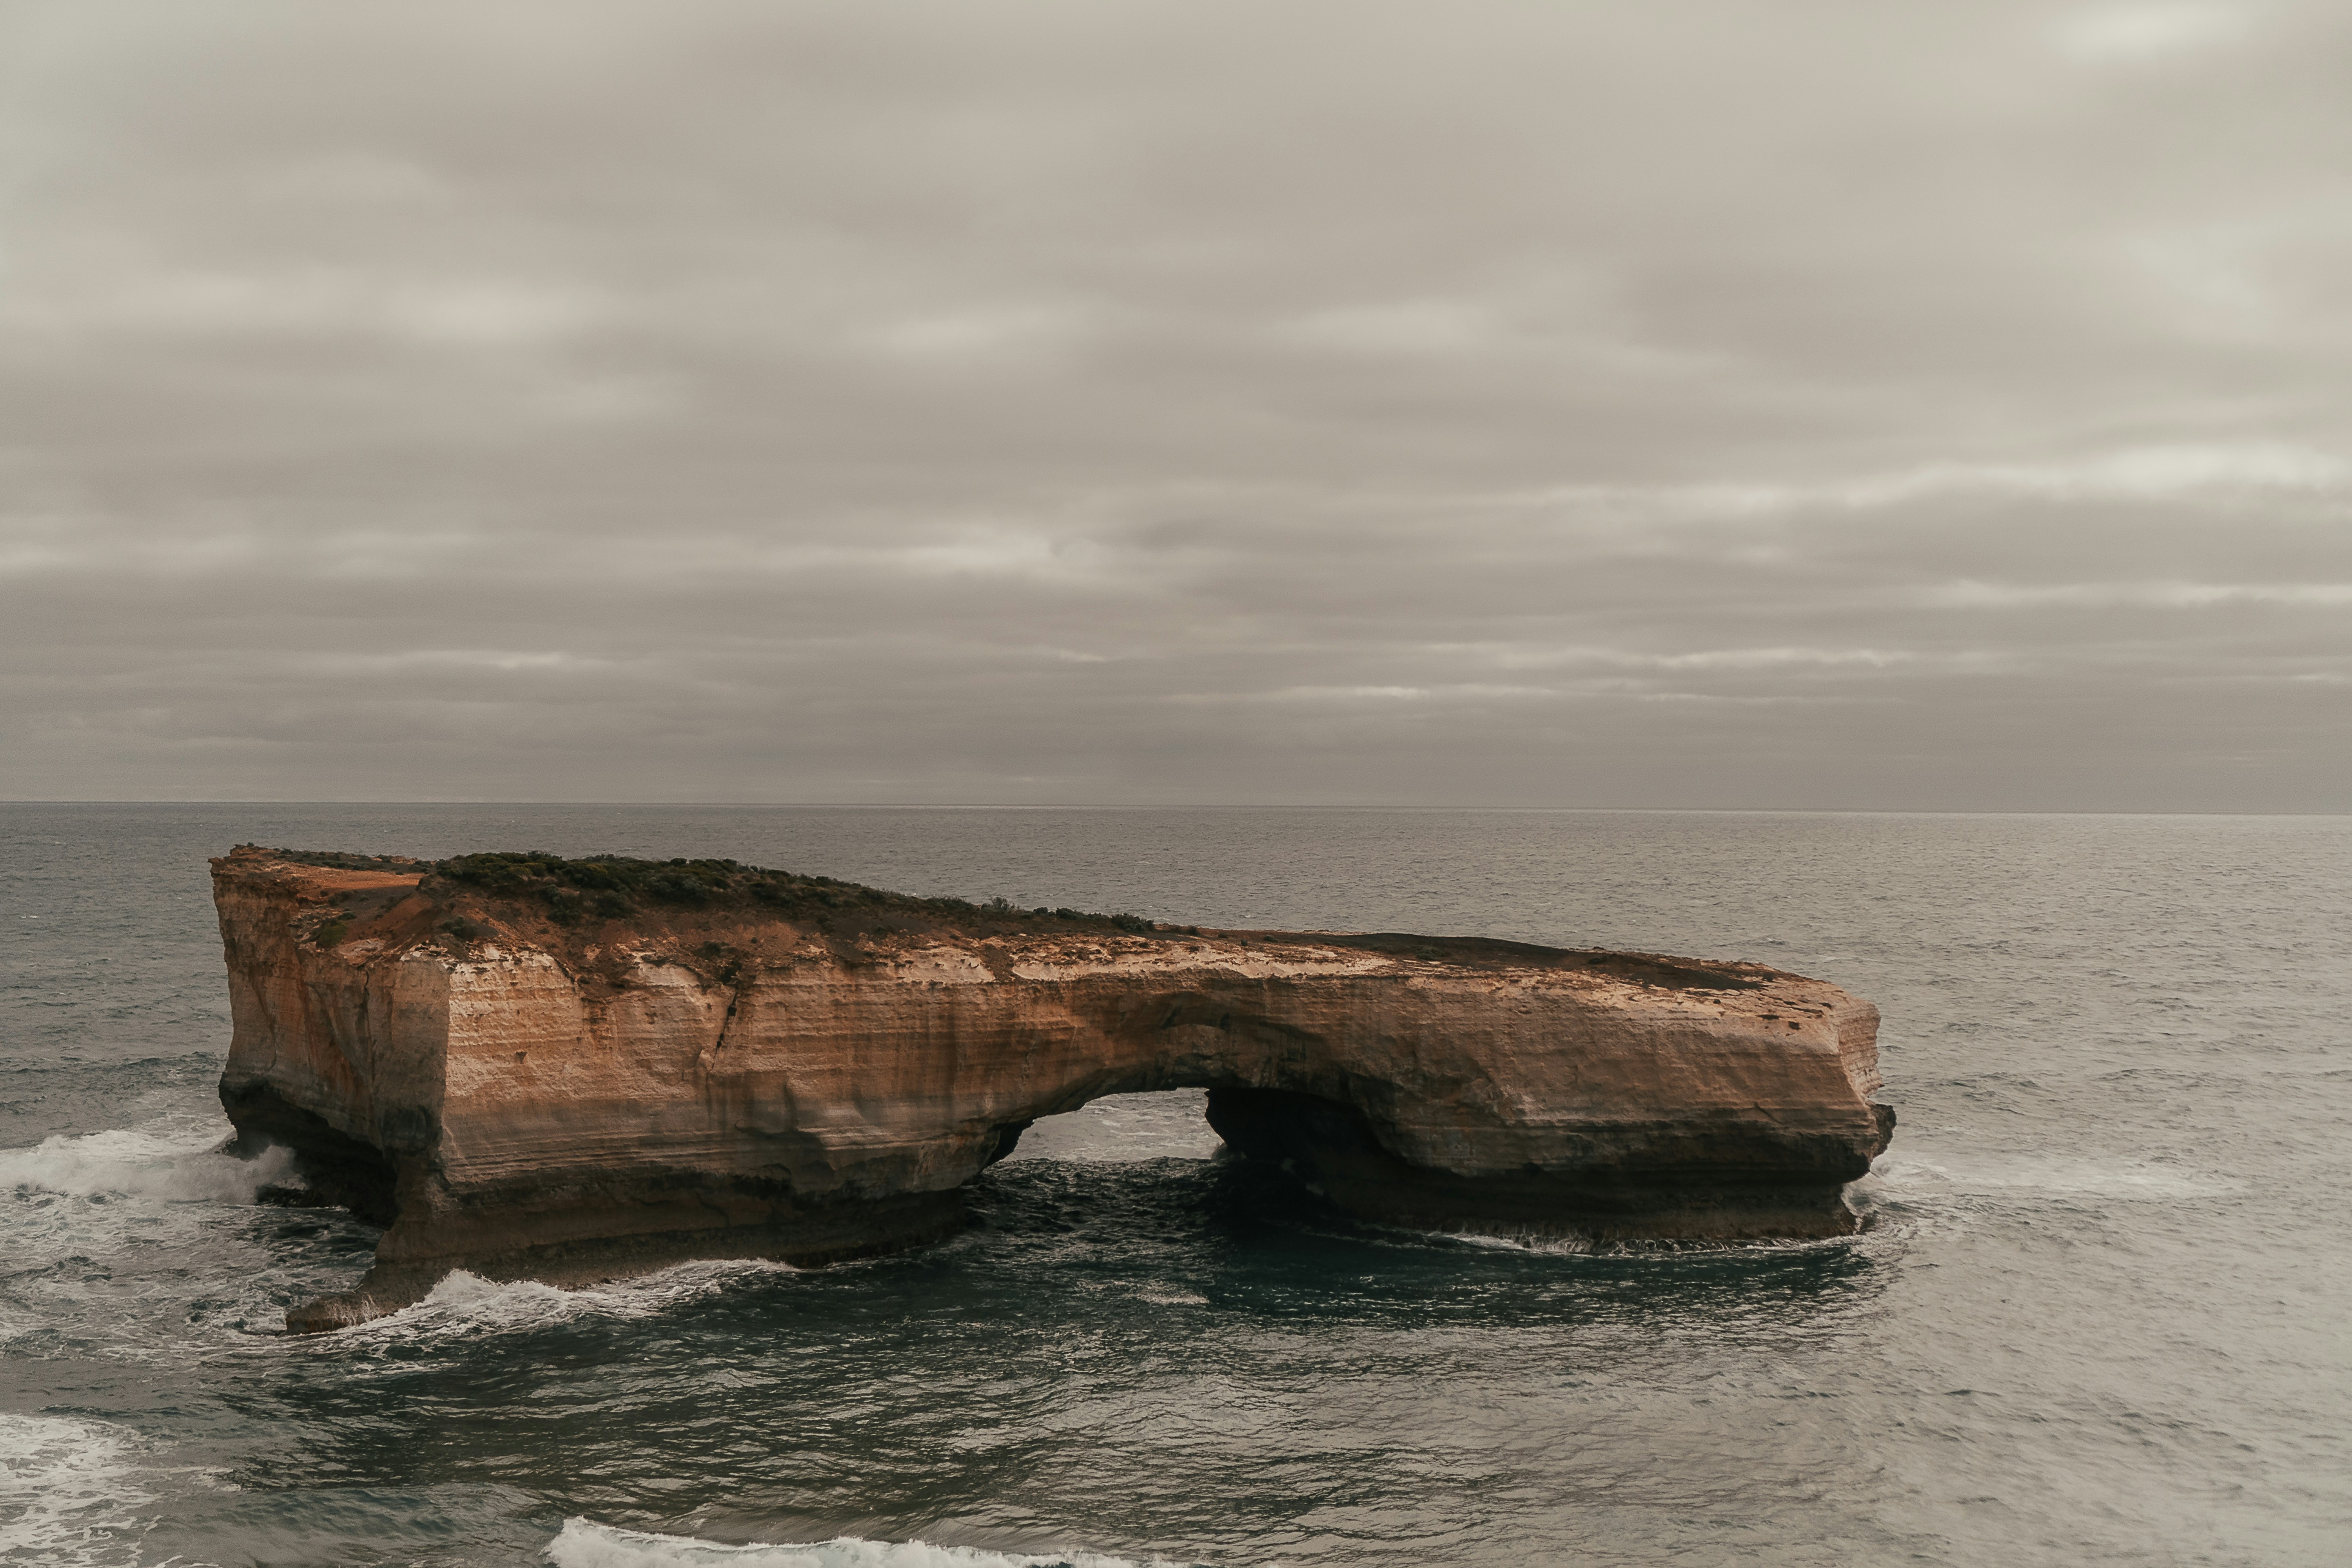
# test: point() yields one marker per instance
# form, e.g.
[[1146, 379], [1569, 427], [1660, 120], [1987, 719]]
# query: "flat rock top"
[[607, 917]]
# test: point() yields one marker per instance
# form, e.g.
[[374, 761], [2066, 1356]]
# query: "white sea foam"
[[1171, 1296], [465, 1305], [92, 1196], [67, 1491], [159, 1161], [586, 1544], [1553, 1245]]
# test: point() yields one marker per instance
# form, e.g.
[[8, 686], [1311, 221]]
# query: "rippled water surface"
[[2102, 1316]]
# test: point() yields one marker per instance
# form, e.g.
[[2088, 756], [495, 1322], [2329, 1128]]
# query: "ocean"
[[2102, 1312]]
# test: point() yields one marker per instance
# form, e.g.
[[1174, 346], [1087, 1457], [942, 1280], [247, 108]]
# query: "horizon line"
[[1211, 806]]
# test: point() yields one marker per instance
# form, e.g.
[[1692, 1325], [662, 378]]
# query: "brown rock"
[[574, 1071]]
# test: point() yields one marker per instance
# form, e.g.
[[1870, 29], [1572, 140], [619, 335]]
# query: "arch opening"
[[1124, 1128]]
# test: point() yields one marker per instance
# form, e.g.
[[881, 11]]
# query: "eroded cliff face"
[[528, 1078]]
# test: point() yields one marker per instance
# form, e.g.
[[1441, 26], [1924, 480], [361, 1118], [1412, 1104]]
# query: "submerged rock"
[[573, 1071]]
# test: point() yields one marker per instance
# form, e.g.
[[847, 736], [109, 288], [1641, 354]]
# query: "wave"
[[86, 1202], [1554, 1246], [1997, 1176], [465, 1305], [586, 1544], [65, 1490], [1171, 1296], [151, 1162]]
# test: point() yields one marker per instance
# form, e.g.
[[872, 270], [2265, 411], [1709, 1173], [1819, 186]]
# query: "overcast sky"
[[1802, 405]]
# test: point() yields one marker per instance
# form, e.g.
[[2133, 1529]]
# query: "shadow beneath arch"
[[1244, 1237]]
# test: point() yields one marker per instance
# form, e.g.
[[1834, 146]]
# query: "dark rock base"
[[337, 1170], [1702, 1189]]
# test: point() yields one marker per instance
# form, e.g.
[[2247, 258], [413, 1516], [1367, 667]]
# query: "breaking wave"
[[74, 1210], [159, 1161], [465, 1305], [586, 1544]]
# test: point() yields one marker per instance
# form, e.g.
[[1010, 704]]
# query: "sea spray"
[[162, 1160]]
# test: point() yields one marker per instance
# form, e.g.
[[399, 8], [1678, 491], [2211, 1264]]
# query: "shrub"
[[615, 887], [679, 888]]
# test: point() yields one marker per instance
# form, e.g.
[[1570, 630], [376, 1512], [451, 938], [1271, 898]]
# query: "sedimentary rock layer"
[[571, 1070]]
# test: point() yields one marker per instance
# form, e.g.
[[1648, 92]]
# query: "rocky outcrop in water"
[[572, 1070]]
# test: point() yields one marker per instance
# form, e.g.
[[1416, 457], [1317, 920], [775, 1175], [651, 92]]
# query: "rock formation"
[[572, 1070]]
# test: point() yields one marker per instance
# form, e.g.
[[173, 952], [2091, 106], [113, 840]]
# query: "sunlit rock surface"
[[571, 1070]]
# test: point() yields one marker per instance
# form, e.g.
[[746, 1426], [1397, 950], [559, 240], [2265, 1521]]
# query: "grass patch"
[[338, 860]]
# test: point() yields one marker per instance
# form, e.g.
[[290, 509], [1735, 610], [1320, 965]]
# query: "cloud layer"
[[1825, 406]]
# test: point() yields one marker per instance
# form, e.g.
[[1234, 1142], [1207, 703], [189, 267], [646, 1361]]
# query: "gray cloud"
[[1832, 405]]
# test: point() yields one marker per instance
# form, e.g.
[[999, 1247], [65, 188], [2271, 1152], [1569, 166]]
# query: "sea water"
[[2100, 1315]]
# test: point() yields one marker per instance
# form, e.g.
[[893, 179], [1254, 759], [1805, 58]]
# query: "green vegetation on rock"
[[613, 887]]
